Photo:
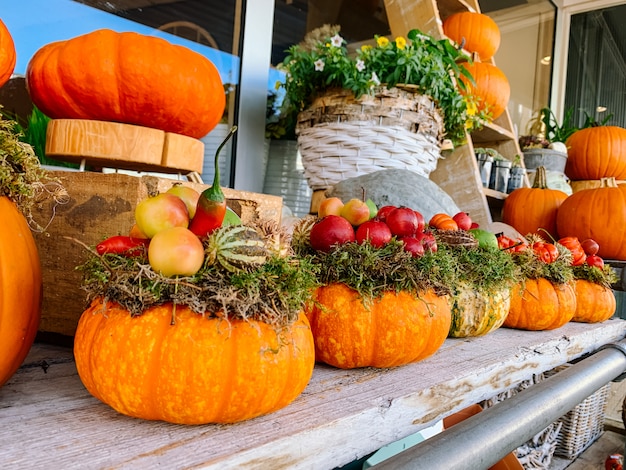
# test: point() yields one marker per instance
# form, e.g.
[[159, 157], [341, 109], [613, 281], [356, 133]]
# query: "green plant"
[[323, 62]]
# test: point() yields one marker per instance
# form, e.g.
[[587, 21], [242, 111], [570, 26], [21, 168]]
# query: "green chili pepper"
[[211, 207]]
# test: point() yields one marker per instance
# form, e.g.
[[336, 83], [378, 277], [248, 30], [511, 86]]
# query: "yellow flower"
[[400, 42], [366, 47], [382, 41]]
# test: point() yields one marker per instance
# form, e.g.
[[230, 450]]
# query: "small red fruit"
[[463, 220], [329, 231], [402, 222], [595, 260], [383, 212], [590, 246], [421, 222], [428, 240], [413, 246], [375, 231]]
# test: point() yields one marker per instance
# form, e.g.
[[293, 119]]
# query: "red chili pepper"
[[547, 252], [211, 207], [574, 245], [123, 245]]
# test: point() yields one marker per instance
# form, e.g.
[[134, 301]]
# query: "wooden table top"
[[48, 420]]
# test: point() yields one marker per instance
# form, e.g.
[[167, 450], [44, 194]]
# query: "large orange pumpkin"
[[476, 31], [594, 303], [598, 213], [538, 304], [393, 330], [491, 90], [197, 370], [596, 152], [531, 209], [128, 78], [7, 54], [20, 289]]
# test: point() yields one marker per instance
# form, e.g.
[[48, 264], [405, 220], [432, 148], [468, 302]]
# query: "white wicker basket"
[[340, 136], [583, 424]]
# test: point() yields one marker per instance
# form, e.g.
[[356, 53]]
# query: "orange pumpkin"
[[442, 221], [538, 304], [476, 31], [20, 289], [596, 152], [197, 370], [598, 213], [492, 90], [594, 302], [393, 330], [7, 54], [128, 78], [531, 209]]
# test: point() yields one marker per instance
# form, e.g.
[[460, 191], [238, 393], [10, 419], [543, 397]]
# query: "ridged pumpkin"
[[7, 54], [195, 371], [20, 289], [531, 209], [596, 152], [393, 330], [128, 78], [594, 303], [599, 214], [476, 313], [538, 304], [476, 31], [491, 90]]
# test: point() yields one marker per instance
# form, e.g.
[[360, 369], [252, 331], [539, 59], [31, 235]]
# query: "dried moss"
[[605, 277]]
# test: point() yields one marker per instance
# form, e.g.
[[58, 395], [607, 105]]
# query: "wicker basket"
[[582, 425], [342, 137]]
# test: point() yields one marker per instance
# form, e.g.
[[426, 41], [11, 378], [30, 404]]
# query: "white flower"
[[360, 65], [375, 80], [336, 40], [319, 65]]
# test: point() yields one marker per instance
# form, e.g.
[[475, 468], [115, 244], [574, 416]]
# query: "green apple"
[[373, 208], [486, 239]]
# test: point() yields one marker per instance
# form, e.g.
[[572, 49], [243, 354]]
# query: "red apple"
[[176, 251], [402, 222], [375, 231], [595, 260], [330, 206], [188, 195], [356, 212], [428, 240], [329, 231], [159, 212], [590, 246], [383, 212], [463, 220], [413, 246]]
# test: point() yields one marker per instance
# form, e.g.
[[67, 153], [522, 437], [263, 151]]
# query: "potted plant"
[[403, 92]]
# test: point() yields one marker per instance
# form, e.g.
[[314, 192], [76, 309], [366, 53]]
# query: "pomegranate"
[[329, 231]]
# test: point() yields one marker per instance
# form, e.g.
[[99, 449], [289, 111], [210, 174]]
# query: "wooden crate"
[[101, 205]]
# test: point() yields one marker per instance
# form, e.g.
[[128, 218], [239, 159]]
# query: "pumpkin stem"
[[541, 181]]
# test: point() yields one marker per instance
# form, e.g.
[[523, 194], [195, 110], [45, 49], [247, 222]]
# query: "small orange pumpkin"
[[538, 304], [7, 54], [393, 330], [476, 31], [598, 213], [128, 78], [492, 90], [594, 302], [531, 209], [596, 152], [195, 371], [20, 289]]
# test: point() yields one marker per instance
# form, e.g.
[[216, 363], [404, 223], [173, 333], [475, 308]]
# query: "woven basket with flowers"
[[386, 106]]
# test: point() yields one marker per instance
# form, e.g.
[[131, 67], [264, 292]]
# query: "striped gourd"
[[235, 246]]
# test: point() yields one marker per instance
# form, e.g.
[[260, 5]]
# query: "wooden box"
[[101, 205]]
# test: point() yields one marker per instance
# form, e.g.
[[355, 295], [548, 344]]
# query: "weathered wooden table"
[[49, 421]]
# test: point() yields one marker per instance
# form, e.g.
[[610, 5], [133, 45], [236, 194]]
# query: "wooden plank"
[[341, 416], [99, 206], [405, 15]]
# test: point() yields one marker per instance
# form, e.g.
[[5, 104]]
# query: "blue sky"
[[35, 23]]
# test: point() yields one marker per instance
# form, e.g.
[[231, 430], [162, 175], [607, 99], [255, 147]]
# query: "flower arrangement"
[[323, 61]]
